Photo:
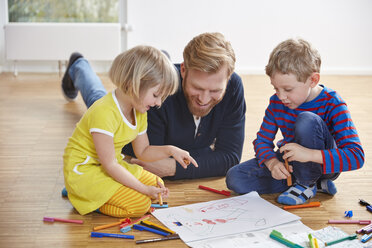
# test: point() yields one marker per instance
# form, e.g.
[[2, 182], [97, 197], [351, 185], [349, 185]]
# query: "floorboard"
[[36, 121]]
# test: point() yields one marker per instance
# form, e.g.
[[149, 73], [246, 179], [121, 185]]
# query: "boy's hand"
[[278, 170], [296, 152]]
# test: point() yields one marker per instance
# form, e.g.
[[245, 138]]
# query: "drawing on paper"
[[222, 217]]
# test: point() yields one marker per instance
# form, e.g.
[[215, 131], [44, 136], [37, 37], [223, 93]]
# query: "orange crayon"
[[309, 205], [289, 179]]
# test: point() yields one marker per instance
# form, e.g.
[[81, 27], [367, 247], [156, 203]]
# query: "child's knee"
[[305, 121], [142, 209]]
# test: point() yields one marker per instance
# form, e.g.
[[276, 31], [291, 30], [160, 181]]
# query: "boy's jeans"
[[311, 132], [86, 81]]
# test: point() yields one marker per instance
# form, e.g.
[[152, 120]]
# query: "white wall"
[[340, 29]]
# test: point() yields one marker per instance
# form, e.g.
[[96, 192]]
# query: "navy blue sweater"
[[173, 124]]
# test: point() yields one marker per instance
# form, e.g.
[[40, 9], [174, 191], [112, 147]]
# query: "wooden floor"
[[36, 121]]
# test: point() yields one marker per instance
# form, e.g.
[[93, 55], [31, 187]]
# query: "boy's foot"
[[326, 186], [68, 89], [297, 194]]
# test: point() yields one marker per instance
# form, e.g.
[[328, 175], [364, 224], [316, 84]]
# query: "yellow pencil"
[[159, 194], [158, 226], [316, 243]]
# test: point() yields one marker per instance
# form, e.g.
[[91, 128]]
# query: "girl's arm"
[[147, 153], [106, 153]]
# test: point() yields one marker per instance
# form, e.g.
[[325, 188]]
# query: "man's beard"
[[195, 110]]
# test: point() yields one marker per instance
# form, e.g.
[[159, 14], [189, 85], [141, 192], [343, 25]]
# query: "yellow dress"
[[87, 184]]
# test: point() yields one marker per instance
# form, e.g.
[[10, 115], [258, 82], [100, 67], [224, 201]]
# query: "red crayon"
[[222, 192]]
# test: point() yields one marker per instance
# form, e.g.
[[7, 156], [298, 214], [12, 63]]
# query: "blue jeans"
[[86, 81], [311, 132]]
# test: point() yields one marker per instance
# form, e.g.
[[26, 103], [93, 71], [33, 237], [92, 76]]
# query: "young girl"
[[96, 176]]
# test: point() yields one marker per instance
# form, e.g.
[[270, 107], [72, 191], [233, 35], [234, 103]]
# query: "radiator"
[[56, 41]]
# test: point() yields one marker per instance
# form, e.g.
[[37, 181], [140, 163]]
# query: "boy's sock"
[[297, 194], [326, 186], [64, 192]]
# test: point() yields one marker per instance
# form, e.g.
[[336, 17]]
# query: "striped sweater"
[[349, 154]]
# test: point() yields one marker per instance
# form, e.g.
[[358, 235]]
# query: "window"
[[104, 11]]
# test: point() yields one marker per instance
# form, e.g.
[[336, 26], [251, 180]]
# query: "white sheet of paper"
[[256, 239], [295, 231], [234, 215]]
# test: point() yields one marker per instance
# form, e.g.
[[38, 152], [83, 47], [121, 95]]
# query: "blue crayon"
[[145, 228], [125, 229], [369, 208], [366, 237], [111, 235], [159, 206]]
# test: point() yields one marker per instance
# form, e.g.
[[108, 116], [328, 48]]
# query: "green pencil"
[[311, 241], [351, 237]]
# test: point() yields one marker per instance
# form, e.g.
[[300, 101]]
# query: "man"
[[206, 116]]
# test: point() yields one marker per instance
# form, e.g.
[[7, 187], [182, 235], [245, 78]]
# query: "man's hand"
[[296, 152], [277, 168], [162, 168]]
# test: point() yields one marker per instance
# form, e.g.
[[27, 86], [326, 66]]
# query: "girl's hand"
[[182, 157], [165, 192], [153, 192], [278, 170]]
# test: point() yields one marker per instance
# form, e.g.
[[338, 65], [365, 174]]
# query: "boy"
[[319, 137]]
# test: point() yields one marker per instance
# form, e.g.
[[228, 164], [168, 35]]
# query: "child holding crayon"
[[96, 176], [319, 137]]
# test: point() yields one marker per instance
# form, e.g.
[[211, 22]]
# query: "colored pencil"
[[308, 205], [289, 179], [52, 219]]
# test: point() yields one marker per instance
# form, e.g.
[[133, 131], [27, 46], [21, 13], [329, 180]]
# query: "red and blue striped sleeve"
[[263, 144], [349, 154]]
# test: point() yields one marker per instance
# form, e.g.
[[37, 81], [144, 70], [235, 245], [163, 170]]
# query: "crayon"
[[126, 220], [151, 224], [289, 179], [111, 235], [222, 192], [169, 237], [51, 219], [351, 237], [308, 205], [360, 222]]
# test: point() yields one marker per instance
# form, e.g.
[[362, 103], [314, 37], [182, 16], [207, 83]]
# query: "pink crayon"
[[52, 219], [360, 222], [366, 229]]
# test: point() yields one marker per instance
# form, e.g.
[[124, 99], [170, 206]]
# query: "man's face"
[[203, 90]]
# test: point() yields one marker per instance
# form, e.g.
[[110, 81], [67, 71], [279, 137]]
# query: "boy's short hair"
[[208, 52], [294, 56], [141, 68]]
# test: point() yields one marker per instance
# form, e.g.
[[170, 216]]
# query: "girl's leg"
[[86, 81], [127, 202], [249, 176], [311, 132]]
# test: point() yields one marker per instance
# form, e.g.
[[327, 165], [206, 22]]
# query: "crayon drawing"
[[233, 215]]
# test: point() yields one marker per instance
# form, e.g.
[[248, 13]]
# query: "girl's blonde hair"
[[294, 56], [208, 52], [141, 68]]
